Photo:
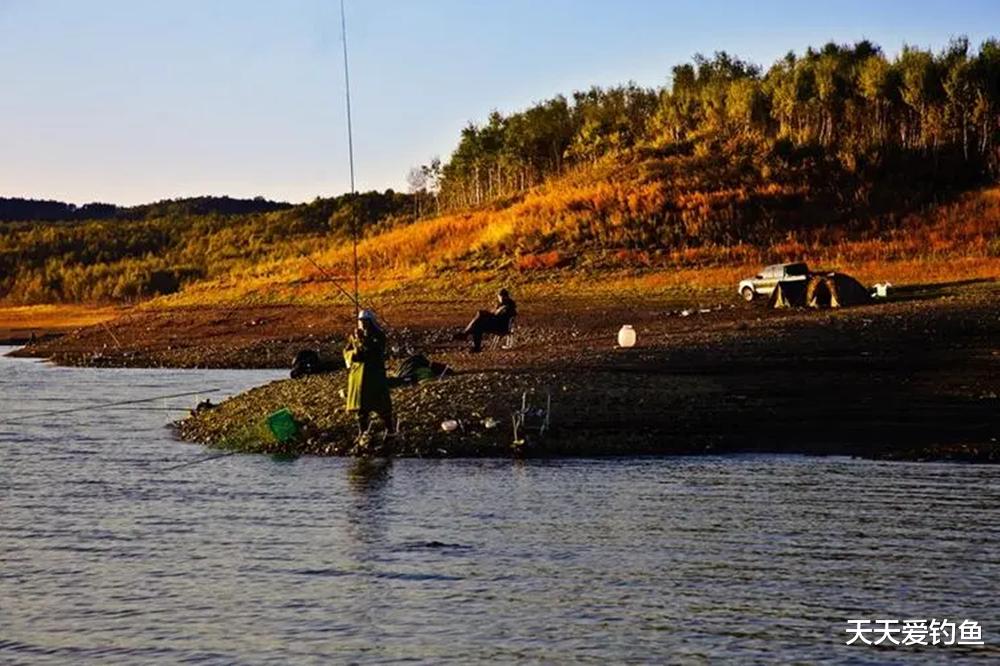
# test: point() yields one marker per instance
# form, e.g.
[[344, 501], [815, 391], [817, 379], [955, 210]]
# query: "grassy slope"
[[644, 226]]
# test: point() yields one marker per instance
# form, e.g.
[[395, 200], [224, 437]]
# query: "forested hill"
[[31, 210], [851, 103], [130, 254]]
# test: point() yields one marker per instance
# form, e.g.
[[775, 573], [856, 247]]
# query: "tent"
[[835, 290], [788, 294], [825, 290]]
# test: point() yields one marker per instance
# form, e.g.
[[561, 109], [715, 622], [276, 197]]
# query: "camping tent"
[[835, 290], [826, 290], [788, 294]]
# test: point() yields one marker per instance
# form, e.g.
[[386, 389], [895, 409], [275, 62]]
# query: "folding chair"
[[505, 340]]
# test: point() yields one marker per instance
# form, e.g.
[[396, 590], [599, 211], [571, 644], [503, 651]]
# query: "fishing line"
[[105, 405], [201, 460]]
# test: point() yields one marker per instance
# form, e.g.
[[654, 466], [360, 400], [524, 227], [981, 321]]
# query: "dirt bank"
[[917, 377], [914, 378]]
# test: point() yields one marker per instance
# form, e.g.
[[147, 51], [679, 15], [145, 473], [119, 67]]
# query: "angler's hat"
[[366, 315]]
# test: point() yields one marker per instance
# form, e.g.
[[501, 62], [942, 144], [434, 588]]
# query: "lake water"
[[109, 556]]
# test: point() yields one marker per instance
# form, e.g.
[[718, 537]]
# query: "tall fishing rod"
[[106, 405], [350, 158], [336, 283], [214, 456], [333, 280]]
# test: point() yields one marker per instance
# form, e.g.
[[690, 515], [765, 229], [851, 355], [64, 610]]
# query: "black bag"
[[306, 363], [409, 369]]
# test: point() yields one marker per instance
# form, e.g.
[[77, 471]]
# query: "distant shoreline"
[[19, 324]]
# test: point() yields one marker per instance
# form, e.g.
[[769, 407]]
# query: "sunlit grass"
[[42, 318], [590, 235]]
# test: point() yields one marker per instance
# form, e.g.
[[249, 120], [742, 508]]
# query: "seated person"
[[497, 322]]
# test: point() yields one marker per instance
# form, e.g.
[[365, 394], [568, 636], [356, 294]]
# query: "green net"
[[283, 425]]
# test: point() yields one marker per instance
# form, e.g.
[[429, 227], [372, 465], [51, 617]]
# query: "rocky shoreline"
[[916, 378], [587, 414], [908, 380]]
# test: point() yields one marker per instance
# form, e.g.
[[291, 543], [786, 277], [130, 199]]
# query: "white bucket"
[[626, 336]]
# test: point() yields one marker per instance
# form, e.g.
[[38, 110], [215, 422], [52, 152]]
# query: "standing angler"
[[367, 386]]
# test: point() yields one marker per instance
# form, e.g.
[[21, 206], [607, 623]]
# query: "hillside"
[[145, 251], [627, 227]]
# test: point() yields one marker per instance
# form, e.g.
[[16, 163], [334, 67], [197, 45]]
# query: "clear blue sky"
[[129, 101]]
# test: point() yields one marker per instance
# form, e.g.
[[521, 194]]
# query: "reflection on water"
[[367, 481], [108, 555], [369, 476]]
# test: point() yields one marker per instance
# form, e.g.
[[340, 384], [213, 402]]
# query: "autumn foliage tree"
[[851, 101]]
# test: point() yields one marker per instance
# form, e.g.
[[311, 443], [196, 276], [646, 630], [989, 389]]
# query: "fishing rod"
[[106, 405], [201, 460], [333, 279], [350, 157], [212, 457], [123, 408], [336, 283], [111, 333], [128, 408], [355, 299]]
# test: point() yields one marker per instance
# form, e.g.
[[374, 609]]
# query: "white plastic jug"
[[626, 336]]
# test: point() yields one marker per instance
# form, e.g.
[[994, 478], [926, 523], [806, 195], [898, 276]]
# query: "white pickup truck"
[[764, 282]]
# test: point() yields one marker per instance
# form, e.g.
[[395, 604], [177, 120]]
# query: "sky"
[[131, 101]]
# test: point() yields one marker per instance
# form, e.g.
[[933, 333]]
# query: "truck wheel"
[[747, 294]]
